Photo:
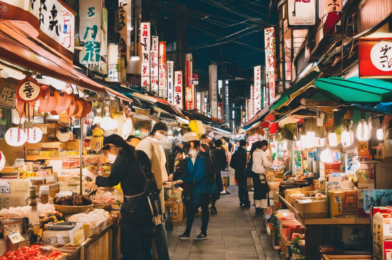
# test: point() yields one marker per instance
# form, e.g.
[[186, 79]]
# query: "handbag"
[[248, 173], [187, 194], [135, 209]]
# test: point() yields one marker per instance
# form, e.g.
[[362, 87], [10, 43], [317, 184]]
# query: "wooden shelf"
[[32, 158], [325, 221]]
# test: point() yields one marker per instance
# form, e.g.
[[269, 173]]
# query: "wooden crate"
[[314, 209]]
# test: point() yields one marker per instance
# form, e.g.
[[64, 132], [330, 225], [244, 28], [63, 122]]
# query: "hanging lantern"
[[304, 142], [2, 160], [380, 134], [347, 138], [363, 133], [108, 124], [332, 138], [326, 156], [311, 139], [33, 135], [319, 142], [15, 137]]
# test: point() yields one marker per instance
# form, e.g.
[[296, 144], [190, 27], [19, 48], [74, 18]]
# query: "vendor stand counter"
[[104, 245], [313, 227]]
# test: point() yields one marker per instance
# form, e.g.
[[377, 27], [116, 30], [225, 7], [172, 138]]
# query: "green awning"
[[355, 90], [286, 96]]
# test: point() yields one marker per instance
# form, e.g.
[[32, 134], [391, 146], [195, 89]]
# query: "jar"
[[44, 194]]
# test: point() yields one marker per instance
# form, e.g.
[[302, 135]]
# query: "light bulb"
[[380, 134]]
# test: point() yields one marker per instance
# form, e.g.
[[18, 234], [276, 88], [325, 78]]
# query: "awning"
[[257, 118], [355, 90], [292, 92], [205, 119], [23, 49]]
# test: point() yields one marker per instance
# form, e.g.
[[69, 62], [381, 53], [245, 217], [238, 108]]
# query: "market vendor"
[[135, 212]]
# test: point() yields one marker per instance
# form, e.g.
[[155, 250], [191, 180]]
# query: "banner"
[[271, 88], [54, 20], [124, 28], [145, 41], [170, 88], [270, 48], [253, 101], [302, 12], [375, 57], [178, 88], [189, 88], [154, 65], [213, 78], [162, 70], [227, 102], [257, 84]]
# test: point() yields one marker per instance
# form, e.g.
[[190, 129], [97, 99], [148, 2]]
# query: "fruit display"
[[31, 253], [74, 200]]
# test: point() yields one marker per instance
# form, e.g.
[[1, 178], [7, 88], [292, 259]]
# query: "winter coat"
[[196, 174], [238, 162]]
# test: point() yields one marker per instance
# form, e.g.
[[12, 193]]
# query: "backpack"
[[248, 173]]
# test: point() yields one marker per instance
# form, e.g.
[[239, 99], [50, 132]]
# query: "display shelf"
[[325, 221]]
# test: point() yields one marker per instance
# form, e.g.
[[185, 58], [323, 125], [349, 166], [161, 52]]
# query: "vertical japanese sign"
[[189, 88], [178, 102], [53, 18], [198, 101], [270, 51], [375, 57], [162, 70], [170, 87], [154, 64], [302, 12], [213, 80], [253, 100], [124, 28], [219, 110], [92, 36], [258, 91], [145, 41], [227, 103]]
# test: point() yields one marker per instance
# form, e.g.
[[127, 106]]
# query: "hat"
[[113, 139], [189, 137]]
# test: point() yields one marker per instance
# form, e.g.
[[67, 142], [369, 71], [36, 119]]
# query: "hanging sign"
[[375, 57], [124, 26], [213, 81], [227, 102], [302, 12], [253, 102], [272, 88], [178, 102], [8, 92], [162, 70], [154, 64], [53, 18], [170, 87], [145, 41], [28, 90], [270, 47], [219, 110], [189, 88], [257, 84]]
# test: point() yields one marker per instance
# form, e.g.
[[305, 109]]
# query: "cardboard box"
[[75, 235], [312, 208]]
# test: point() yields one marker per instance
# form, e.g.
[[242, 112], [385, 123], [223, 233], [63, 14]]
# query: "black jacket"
[[220, 158], [238, 162]]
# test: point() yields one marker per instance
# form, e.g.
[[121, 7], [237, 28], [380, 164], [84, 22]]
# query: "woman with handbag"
[[260, 162], [135, 213]]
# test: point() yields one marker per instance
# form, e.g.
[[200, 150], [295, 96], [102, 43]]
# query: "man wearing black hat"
[[135, 213]]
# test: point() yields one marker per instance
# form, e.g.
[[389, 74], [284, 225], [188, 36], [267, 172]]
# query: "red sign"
[[188, 90], [375, 57]]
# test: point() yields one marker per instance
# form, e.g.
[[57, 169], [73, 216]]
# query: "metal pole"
[[80, 155]]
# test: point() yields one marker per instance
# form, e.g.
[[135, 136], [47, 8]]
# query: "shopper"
[[196, 177], [238, 163], [153, 160], [135, 214], [220, 164], [260, 162]]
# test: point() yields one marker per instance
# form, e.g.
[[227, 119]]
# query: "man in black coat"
[[238, 163]]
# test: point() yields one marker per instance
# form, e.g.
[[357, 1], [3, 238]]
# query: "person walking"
[[153, 160], [196, 176], [260, 162], [238, 163], [220, 164], [135, 212]]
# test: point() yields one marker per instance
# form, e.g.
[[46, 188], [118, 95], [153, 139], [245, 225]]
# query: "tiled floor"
[[232, 234]]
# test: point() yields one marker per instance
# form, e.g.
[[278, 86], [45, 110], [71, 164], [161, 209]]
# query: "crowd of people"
[[140, 166]]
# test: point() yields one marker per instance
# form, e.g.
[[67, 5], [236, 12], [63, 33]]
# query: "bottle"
[[32, 201]]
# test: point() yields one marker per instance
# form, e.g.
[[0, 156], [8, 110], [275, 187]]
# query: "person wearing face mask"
[[197, 173], [153, 160], [135, 212]]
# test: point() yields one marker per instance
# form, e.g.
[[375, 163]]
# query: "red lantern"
[[274, 128]]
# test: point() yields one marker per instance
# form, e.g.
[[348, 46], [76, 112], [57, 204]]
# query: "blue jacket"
[[197, 174]]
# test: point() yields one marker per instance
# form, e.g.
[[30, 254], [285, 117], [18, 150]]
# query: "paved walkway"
[[232, 234]]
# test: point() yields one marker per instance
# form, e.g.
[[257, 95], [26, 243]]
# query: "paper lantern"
[[270, 118], [332, 139], [347, 138], [311, 139], [33, 135], [108, 123], [2, 160], [363, 132], [15, 137], [273, 128], [304, 142], [326, 156], [319, 142], [265, 124], [380, 134]]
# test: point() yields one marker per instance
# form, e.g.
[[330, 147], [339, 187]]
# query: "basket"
[[65, 209]]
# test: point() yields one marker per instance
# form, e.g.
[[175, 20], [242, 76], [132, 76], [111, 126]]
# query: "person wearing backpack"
[[196, 176], [238, 163], [260, 162]]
